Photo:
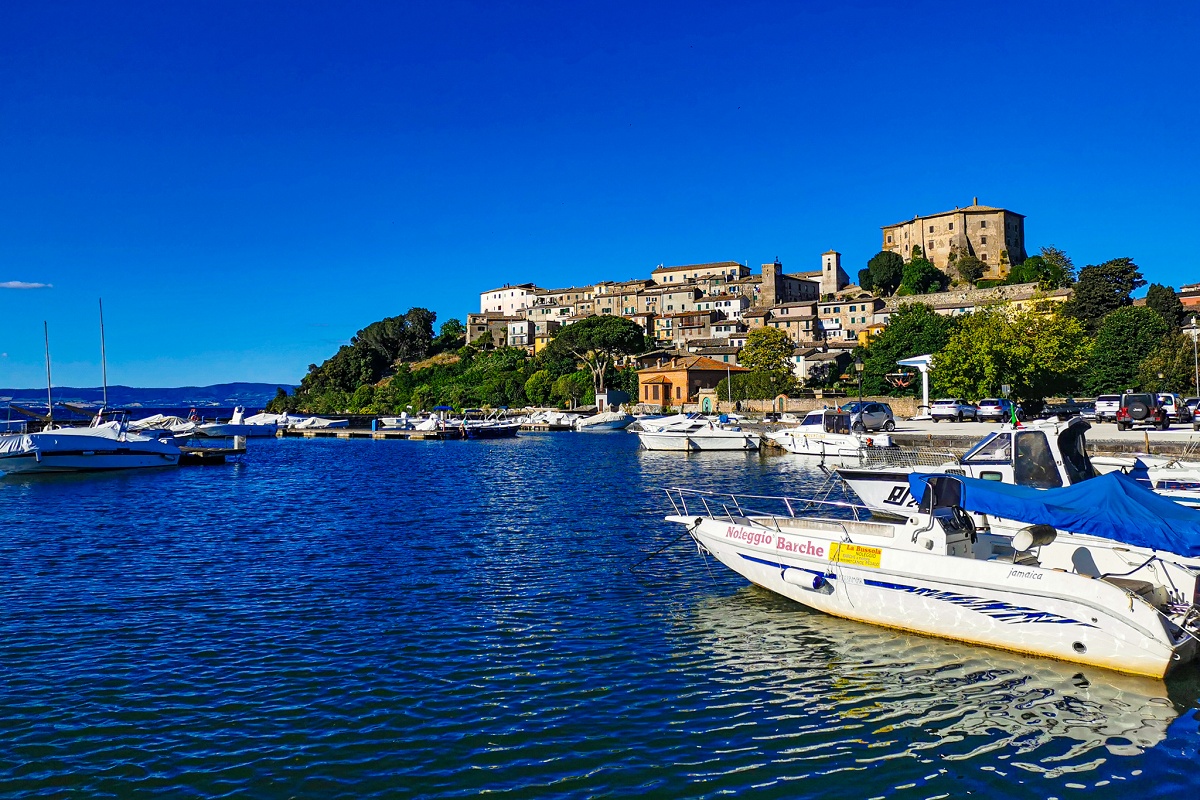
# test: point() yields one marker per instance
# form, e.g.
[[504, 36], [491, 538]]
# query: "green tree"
[[538, 387], [1125, 337], [1174, 359], [969, 268], [1103, 288], [573, 388], [767, 350], [914, 329], [885, 272], [597, 342], [1164, 300], [1038, 355], [1060, 270], [922, 277], [1046, 274]]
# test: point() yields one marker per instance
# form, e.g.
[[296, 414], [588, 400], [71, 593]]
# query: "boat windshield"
[[1072, 443], [814, 418], [1034, 465], [837, 423], [996, 447]]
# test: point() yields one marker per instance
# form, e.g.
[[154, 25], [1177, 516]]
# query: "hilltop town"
[[707, 310]]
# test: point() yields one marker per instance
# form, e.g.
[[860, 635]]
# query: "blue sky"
[[248, 184]]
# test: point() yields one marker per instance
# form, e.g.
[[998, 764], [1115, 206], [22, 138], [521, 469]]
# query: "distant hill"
[[253, 395]]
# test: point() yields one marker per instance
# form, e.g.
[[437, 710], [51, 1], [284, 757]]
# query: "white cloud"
[[24, 285]]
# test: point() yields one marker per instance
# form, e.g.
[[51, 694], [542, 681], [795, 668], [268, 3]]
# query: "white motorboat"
[[163, 425], [605, 422], [826, 434], [103, 446], [936, 574], [694, 433], [238, 425]]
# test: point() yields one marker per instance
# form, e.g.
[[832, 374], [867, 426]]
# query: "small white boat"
[[238, 425], [937, 574], [826, 434], [103, 446], [605, 422], [694, 433]]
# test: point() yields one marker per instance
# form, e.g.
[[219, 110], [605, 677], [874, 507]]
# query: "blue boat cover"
[[1112, 506]]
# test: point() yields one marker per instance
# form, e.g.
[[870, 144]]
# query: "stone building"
[[778, 288], [680, 380], [995, 236], [728, 270]]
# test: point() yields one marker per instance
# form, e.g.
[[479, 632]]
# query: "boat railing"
[[908, 457], [737, 507]]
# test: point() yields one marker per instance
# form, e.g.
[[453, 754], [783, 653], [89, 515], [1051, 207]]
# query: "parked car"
[[1196, 417], [1192, 402], [998, 409], [1176, 409], [956, 408], [870, 416], [1106, 407], [1063, 411], [1141, 409]]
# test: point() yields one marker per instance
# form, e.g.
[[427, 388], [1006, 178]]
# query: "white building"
[[511, 301]]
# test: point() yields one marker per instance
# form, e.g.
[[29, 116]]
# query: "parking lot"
[[1100, 431]]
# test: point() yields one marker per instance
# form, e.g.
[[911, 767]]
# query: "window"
[[983, 240], [1034, 464], [656, 391], [983, 256], [983, 223], [950, 227], [889, 239], [852, 308], [931, 229]]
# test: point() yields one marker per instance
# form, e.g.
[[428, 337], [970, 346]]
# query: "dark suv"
[[1141, 409]]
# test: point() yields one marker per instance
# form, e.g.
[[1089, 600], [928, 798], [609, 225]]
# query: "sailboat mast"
[[103, 360], [49, 399]]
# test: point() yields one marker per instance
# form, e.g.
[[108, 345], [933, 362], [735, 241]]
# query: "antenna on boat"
[[49, 399], [103, 360]]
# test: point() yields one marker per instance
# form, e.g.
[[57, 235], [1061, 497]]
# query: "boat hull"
[[986, 602], [225, 430], [698, 441], [84, 461]]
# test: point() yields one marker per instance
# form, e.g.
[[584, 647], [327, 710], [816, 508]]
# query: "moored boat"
[[103, 446], [826, 434], [694, 433], [936, 574]]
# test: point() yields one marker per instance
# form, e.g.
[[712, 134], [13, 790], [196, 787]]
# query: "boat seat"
[[1142, 589], [1006, 555]]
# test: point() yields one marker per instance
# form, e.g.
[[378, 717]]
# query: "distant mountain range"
[[252, 395]]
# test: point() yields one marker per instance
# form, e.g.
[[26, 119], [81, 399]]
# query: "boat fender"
[[1033, 536], [870, 442], [805, 580]]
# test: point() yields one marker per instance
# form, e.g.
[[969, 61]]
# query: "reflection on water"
[[855, 696]]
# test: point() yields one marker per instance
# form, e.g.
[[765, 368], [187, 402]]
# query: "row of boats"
[[113, 442], [1026, 542]]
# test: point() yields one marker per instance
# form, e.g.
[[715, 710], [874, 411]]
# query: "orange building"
[[679, 380]]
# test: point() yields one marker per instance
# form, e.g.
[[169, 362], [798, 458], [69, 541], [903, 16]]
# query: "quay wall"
[[902, 407]]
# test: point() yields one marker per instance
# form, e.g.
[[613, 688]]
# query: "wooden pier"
[[365, 433], [207, 456]]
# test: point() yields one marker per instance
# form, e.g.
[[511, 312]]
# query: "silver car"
[[953, 409], [870, 416]]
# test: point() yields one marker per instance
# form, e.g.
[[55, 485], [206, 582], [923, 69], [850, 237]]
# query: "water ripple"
[[390, 619]]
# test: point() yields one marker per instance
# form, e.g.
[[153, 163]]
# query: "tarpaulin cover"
[[1112, 506]]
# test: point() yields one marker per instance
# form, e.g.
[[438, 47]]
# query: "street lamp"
[[1193, 330], [859, 366], [1160, 381]]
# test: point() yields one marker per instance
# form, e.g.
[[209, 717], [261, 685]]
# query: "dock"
[[366, 433], [543, 427], [207, 456]]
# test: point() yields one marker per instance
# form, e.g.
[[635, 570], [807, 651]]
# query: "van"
[[1176, 409], [1106, 407]]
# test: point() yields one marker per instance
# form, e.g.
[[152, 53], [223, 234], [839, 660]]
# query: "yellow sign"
[[855, 554]]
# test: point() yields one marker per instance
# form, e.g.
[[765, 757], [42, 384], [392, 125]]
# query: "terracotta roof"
[[698, 363], [512, 286], [659, 379], [709, 265], [976, 208], [719, 351]]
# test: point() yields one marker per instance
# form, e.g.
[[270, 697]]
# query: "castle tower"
[[771, 279], [833, 277]]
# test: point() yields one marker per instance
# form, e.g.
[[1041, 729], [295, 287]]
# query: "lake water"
[[447, 619]]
